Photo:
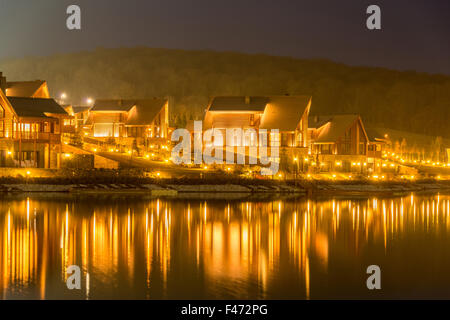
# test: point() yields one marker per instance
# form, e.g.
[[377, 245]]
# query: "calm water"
[[138, 248]]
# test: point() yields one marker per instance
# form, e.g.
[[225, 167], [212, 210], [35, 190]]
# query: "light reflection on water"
[[136, 248]]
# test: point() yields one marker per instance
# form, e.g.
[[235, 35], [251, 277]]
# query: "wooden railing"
[[40, 136]]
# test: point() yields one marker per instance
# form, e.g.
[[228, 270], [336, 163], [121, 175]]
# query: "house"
[[288, 114], [338, 141], [30, 131], [144, 122]]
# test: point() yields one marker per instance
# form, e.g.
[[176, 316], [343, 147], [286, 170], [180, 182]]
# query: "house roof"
[[35, 107], [78, 109], [375, 134], [23, 88], [140, 112], [336, 126], [113, 105], [240, 104], [146, 111], [284, 112]]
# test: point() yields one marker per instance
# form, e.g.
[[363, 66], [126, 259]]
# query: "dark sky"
[[415, 33]]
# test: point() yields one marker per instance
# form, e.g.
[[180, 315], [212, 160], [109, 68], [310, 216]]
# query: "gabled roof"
[[239, 104], [334, 127], [78, 109], [146, 111], [23, 88], [284, 112], [113, 105], [375, 135], [140, 111], [35, 107], [315, 121]]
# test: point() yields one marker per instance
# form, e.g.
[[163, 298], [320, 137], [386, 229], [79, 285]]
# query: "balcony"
[[43, 137]]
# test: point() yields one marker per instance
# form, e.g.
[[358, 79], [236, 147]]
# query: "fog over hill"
[[410, 101]]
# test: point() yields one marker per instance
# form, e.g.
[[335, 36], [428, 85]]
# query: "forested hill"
[[399, 100]]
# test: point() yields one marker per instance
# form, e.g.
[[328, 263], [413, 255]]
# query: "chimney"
[[2, 83], [247, 100]]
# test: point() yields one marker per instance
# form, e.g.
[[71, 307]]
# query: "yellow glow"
[[67, 155], [28, 172], [9, 153], [338, 164], [205, 167]]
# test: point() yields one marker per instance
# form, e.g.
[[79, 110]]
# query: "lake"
[[135, 247]]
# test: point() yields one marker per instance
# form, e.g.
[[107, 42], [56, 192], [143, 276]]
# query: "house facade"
[[30, 131], [339, 143], [143, 122], [287, 114]]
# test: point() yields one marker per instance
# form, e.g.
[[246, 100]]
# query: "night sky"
[[415, 34]]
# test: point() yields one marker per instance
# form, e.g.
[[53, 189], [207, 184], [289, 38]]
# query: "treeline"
[[410, 101]]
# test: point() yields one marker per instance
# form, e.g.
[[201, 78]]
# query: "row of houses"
[[326, 142], [34, 127]]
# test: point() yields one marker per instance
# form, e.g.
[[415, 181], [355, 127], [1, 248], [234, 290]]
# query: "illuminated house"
[[30, 131], [144, 120], [338, 141], [288, 114]]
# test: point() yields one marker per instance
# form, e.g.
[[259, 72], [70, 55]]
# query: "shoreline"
[[223, 190]]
